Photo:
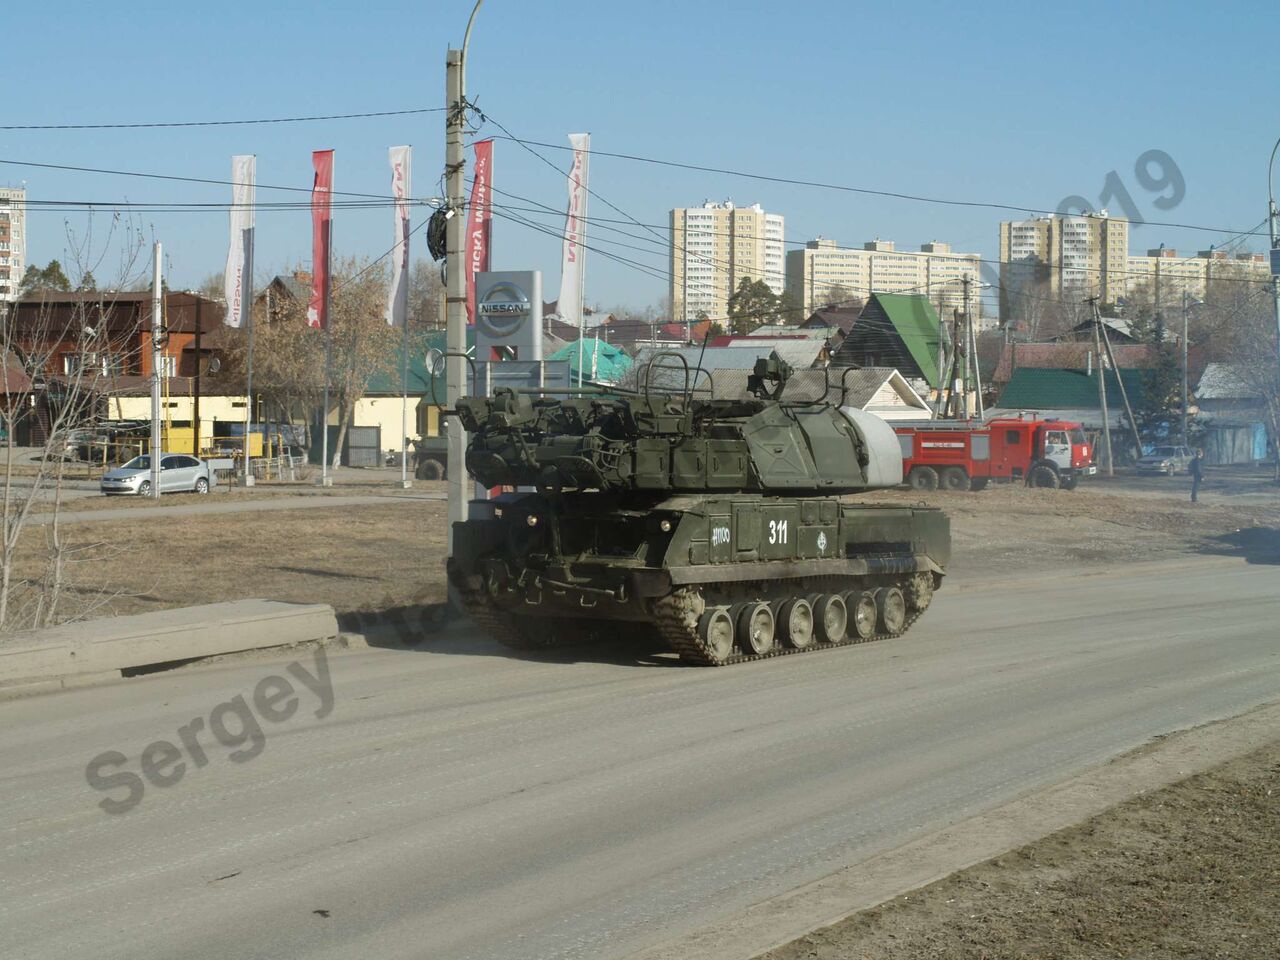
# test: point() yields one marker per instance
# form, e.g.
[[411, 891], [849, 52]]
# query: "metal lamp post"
[[1187, 303], [1275, 240]]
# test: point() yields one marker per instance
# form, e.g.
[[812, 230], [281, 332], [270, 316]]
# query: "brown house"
[[111, 330]]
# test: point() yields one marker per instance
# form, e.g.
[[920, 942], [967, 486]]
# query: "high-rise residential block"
[[1064, 258], [1162, 275], [823, 274], [713, 248], [13, 240]]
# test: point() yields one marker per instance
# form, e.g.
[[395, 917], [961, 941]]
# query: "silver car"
[[1166, 459], [179, 473]]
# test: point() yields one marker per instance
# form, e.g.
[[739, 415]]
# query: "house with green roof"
[[896, 330], [1071, 394]]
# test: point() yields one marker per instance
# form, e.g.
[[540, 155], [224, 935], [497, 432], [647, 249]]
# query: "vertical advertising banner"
[[321, 220], [239, 285], [398, 297], [479, 222], [575, 229]]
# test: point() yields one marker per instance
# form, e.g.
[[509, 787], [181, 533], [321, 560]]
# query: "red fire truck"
[[967, 455]]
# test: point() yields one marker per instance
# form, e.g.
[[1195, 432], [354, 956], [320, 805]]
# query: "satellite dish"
[[435, 362], [215, 364]]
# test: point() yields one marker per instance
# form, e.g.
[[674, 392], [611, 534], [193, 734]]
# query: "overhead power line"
[[844, 188], [179, 179], [216, 123]]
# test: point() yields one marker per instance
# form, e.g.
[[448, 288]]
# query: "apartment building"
[[1167, 274], [13, 240], [714, 247], [824, 274], [1062, 258]]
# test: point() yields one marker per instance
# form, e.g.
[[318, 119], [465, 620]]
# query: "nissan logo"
[[503, 309]]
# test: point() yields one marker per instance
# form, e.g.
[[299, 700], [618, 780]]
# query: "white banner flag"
[[398, 297], [575, 232], [239, 274]]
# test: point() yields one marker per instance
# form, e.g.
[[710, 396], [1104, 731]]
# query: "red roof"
[[696, 331]]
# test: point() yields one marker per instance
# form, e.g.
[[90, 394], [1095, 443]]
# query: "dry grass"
[[366, 557]]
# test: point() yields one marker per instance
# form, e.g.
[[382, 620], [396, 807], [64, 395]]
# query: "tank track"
[[676, 617]]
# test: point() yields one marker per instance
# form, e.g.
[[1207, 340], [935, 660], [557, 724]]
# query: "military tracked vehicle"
[[712, 525]]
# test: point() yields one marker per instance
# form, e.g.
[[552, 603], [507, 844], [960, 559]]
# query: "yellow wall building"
[[1063, 258], [823, 274], [714, 248]]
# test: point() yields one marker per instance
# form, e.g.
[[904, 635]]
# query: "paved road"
[[462, 803], [234, 503]]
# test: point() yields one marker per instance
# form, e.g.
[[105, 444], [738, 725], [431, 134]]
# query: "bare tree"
[[57, 358], [426, 296], [289, 357], [1249, 333]]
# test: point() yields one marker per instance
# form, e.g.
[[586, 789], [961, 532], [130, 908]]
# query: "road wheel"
[[755, 627], [955, 479], [1044, 476], [430, 469], [979, 483], [1070, 483], [830, 617], [795, 622], [891, 607], [202, 485], [861, 605], [144, 488], [923, 478], [716, 630]]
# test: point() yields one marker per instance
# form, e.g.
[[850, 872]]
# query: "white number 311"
[[777, 531]]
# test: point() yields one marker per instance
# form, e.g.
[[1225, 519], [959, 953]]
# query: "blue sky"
[[1000, 102]]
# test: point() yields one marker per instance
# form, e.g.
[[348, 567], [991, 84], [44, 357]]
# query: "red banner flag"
[[479, 222], [321, 222]]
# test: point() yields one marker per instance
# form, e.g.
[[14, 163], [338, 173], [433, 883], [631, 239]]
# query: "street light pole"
[[1275, 240], [157, 366], [1186, 309], [456, 281]]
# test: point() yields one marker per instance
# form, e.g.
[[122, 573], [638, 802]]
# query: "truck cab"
[[1062, 448]]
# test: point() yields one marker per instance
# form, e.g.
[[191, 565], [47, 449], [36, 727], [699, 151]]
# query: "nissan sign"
[[503, 309]]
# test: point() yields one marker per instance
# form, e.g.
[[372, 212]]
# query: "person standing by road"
[[1196, 469]]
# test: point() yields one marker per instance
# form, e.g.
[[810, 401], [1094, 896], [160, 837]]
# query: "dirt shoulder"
[[1009, 529], [1192, 870], [369, 557], [375, 557]]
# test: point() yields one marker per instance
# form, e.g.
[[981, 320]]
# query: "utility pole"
[[968, 339], [1186, 309], [195, 402], [1102, 394], [157, 347], [1124, 394], [972, 345], [1275, 235], [456, 285]]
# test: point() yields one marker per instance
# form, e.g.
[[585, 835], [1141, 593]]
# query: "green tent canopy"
[[602, 362]]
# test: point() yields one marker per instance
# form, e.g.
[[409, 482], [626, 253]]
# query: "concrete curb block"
[[75, 654], [773, 923]]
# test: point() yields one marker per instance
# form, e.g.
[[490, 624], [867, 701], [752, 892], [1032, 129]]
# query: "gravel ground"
[[379, 557], [1190, 871]]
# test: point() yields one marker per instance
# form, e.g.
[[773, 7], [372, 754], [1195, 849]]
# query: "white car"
[[179, 473]]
